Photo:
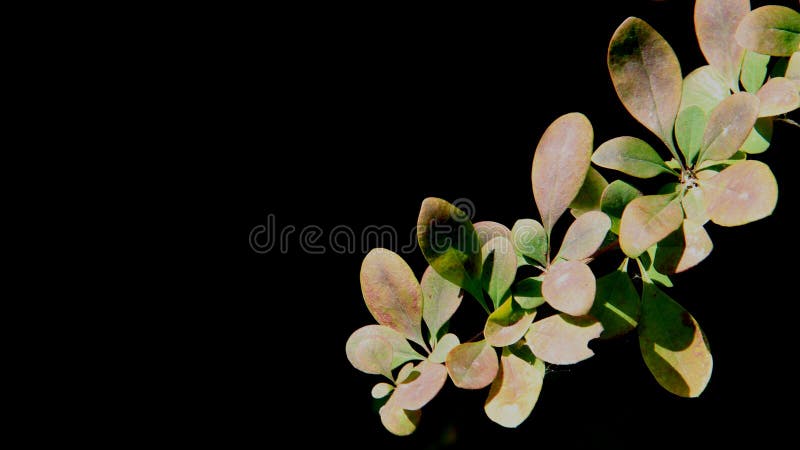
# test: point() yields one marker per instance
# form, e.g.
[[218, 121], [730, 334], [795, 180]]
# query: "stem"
[[612, 246], [480, 333], [643, 272]]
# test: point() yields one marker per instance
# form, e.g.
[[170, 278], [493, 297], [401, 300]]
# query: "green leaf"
[[647, 77], [515, 390], [528, 292], [648, 269], [771, 30], [683, 249], [715, 23], [631, 156], [673, 163], [647, 220], [392, 293], [450, 245], [441, 299], [754, 70], [616, 303], [562, 339], [728, 126], [705, 88], [372, 356], [614, 200], [397, 420], [759, 138], [689, 132], [488, 230], [508, 323], [670, 188], [416, 393], [448, 342], [530, 239], [585, 236], [717, 166], [401, 350], [588, 198], [381, 390], [499, 268], [560, 164], [569, 286], [472, 365], [672, 344], [778, 96], [694, 206], [742, 193]]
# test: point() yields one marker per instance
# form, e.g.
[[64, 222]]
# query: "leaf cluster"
[[710, 124]]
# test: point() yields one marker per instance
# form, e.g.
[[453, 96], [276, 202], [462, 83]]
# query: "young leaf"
[[507, 324], [472, 365], [569, 287], [715, 23], [647, 220], [372, 356], [563, 340], [631, 156], [397, 420], [560, 164], [742, 193], [793, 67], [530, 239], [499, 268], [754, 70], [528, 292], [614, 200], [488, 230], [515, 390], [698, 245], [588, 198], [448, 342], [381, 390], [441, 299], [416, 393], [689, 132], [771, 30], [401, 350], [759, 138], [672, 344], [405, 372], [705, 88], [683, 249], [728, 126], [585, 236], [392, 293], [616, 304], [449, 243], [778, 96], [647, 76]]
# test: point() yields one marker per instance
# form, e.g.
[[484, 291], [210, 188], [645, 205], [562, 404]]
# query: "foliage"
[[710, 123]]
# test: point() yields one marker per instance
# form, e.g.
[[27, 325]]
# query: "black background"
[[327, 116]]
